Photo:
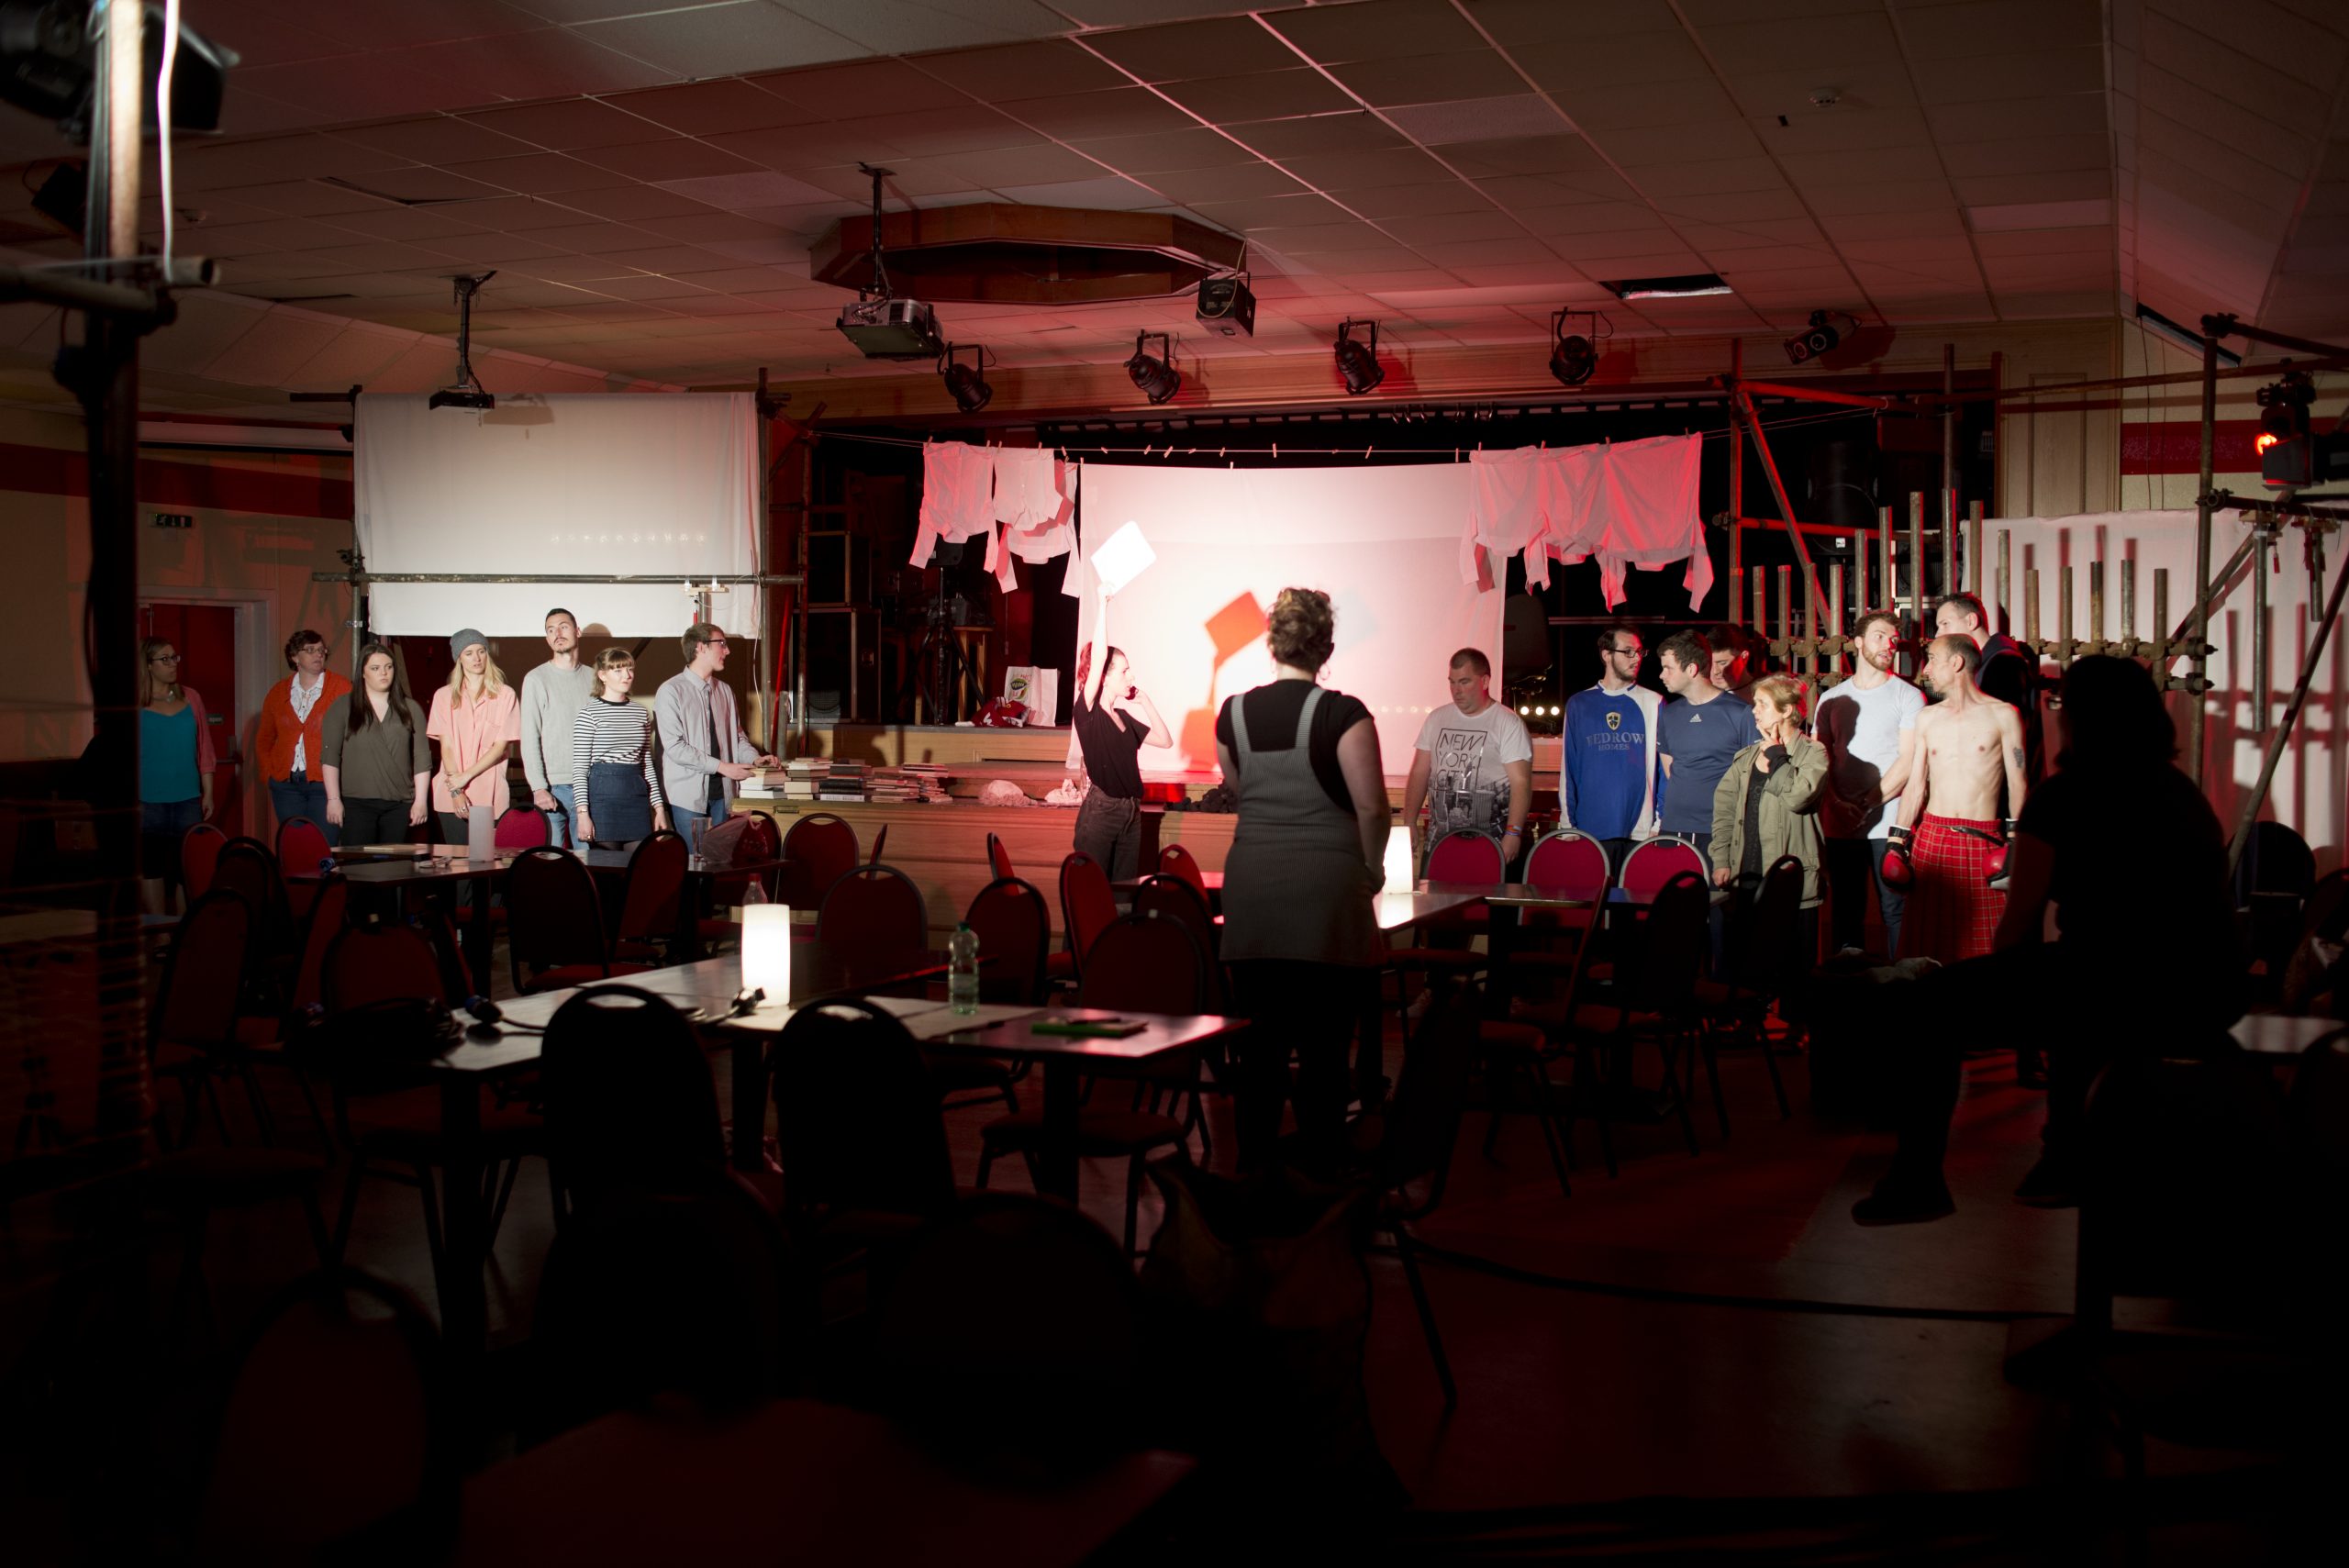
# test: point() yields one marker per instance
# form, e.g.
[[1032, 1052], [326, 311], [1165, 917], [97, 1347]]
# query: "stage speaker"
[[1525, 636], [1227, 306]]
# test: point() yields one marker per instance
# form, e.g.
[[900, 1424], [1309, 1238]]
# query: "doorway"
[[205, 635]]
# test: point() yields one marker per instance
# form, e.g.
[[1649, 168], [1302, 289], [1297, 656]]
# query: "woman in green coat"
[[1766, 806]]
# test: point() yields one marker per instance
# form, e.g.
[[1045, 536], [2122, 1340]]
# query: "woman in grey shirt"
[[377, 764]]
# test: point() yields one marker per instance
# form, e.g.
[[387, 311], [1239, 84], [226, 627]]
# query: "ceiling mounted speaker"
[[1227, 306]]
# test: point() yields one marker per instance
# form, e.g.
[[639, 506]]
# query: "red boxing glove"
[[1997, 877], [1898, 871]]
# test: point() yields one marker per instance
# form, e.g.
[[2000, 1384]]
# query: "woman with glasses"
[[620, 794], [175, 768]]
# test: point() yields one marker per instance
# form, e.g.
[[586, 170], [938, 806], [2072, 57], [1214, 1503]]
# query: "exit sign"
[[175, 520]]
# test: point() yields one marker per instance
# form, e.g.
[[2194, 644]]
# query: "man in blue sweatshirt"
[[1697, 738], [1607, 766]]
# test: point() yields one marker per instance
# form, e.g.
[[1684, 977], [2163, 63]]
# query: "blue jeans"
[[692, 825], [301, 796], [559, 833]]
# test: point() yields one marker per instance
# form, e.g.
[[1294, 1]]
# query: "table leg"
[[478, 940], [687, 940], [1500, 938], [464, 1232], [1056, 1161], [750, 1100]]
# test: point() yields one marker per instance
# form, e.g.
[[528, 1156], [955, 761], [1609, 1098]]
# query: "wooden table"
[[408, 871], [793, 1481]]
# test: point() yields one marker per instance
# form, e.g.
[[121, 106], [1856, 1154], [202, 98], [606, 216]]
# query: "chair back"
[[199, 852], [552, 916], [656, 877], [1088, 903], [384, 962], [246, 868], [334, 1442], [857, 1115], [2276, 860], [1468, 857], [1178, 900], [691, 1290], [319, 928], [1571, 864], [630, 1108], [1673, 944], [522, 827], [875, 909], [1420, 1120], [1651, 864], [821, 849], [1145, 963], [204, 976], [1000, 859], [880, 843], [302, 844], [965, 1289], [1175, 861], [743, 839], [1768, 951], [1015, 930]]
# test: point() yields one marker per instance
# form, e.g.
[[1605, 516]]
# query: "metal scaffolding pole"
[[2196, 716]]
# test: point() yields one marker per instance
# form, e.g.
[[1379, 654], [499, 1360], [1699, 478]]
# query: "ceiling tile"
[[1546, 21], [1266, 95], [1596, 105], [1363, 171], [1377, 29], [1417, 201], [706, 108], [2031, 155], [1352, 131], [1521, 155], [1868, 166], [2000, 190], [868, 87], [566, 126], [434, 138], [917, 26], [1432, 78], [1884, 196], [679, 158], [537, 173], [1168, 152], [1107, 191], [295, 199], [1186, 51], [1668, 180], [629, 202], [408, 223], [1526, 117], [522, 67], [1642, 59], [1225, 184], [1036, 69], [1124, 111], [2017, 75], [924, 132], [1270, 212], [1022, 166], [726, 39], [1637, 146], [2065, 114]]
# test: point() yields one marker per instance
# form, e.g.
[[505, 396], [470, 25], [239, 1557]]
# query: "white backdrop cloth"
[[664, 484], [2311, 783], [1382, 542]]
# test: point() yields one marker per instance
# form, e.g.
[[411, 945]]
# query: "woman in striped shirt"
[[611, 742]]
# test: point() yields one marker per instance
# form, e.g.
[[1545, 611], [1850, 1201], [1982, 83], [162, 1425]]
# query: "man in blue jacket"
[[1607, 767]]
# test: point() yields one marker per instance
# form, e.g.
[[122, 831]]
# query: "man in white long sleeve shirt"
[[550, 697], [704, 751]]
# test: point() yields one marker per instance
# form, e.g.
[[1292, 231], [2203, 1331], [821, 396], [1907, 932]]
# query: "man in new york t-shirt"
[[1607, 762], [1473, 763], [1696, 738]]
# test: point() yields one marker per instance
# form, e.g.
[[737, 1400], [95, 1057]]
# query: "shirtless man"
[[1950, 840]]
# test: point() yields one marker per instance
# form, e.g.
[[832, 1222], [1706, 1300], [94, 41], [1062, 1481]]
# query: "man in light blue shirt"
[[704, 751]]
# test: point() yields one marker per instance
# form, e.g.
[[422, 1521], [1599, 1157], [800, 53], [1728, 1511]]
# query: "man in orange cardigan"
[[287, 738]]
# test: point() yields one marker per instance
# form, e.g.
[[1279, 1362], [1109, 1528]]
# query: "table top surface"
[[817, 971], [2281, 1034], [795, 1481], [446, 862]]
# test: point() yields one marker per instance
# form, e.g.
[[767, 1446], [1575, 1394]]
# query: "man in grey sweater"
[[704, 751], [550, 697]]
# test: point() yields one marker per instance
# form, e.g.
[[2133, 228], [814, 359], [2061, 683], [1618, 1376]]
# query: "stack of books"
[[930, 780], [841, 781], [891, 785], [795, 780]]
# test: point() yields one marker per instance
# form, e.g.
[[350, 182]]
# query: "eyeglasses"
[[1627, 652], [715, 642]]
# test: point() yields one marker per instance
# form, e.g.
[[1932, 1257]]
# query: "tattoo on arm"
[[2015, 755]]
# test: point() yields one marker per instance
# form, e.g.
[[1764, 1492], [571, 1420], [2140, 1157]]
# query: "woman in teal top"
[[176, 767]]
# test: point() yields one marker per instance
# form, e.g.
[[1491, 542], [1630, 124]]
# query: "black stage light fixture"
[[1819, 338], [467, 391], [1573, 356], [1156, 379], [970, 392], [1227, 306], [1357, 360], [48, 66], [2287, 455]]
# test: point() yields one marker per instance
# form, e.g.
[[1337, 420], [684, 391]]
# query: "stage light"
[[1682, 285], [1358, 361], [1156, 379], [1572, 356], [1819, 338], [970, 392], [2262, 441]]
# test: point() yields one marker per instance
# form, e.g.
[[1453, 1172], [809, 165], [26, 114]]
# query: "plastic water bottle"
[[962, 970]]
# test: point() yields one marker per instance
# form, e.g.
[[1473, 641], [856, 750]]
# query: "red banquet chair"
[[1087, 905], [1651, 865], [1173, 860], [302, 847], [200, 848], [1000, 859]]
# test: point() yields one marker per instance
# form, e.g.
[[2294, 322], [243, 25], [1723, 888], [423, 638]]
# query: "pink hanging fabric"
[[1649, 502], [957, 497], [1627, 503]]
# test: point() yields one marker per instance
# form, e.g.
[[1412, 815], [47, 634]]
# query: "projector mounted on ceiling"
[[880, 325], [892, 329], [467, 393]]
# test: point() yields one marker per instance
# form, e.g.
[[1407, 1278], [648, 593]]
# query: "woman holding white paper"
[[1114, 720]]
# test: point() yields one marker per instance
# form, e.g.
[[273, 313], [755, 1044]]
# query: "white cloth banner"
[[1628, 503], [2312, 777], [1383, 542], [664, 485]]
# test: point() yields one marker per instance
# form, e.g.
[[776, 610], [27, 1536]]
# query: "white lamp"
[[1401, 876], [766, 951]]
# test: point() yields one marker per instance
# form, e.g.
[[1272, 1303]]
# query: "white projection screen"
[[621, 484], [1383, 542]]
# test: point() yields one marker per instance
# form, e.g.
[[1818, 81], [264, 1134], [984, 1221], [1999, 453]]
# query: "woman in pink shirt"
[[477, 719]]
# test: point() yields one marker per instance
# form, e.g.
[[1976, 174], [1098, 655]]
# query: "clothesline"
[[1458, 453]]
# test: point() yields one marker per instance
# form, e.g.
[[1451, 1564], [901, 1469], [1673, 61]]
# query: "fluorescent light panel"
[[1685, 285]]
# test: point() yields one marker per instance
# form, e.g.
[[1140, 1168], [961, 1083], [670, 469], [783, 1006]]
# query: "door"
[[205, 635]]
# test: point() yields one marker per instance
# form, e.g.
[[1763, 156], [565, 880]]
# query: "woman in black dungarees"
[[1300, 930], [1114, 719]]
